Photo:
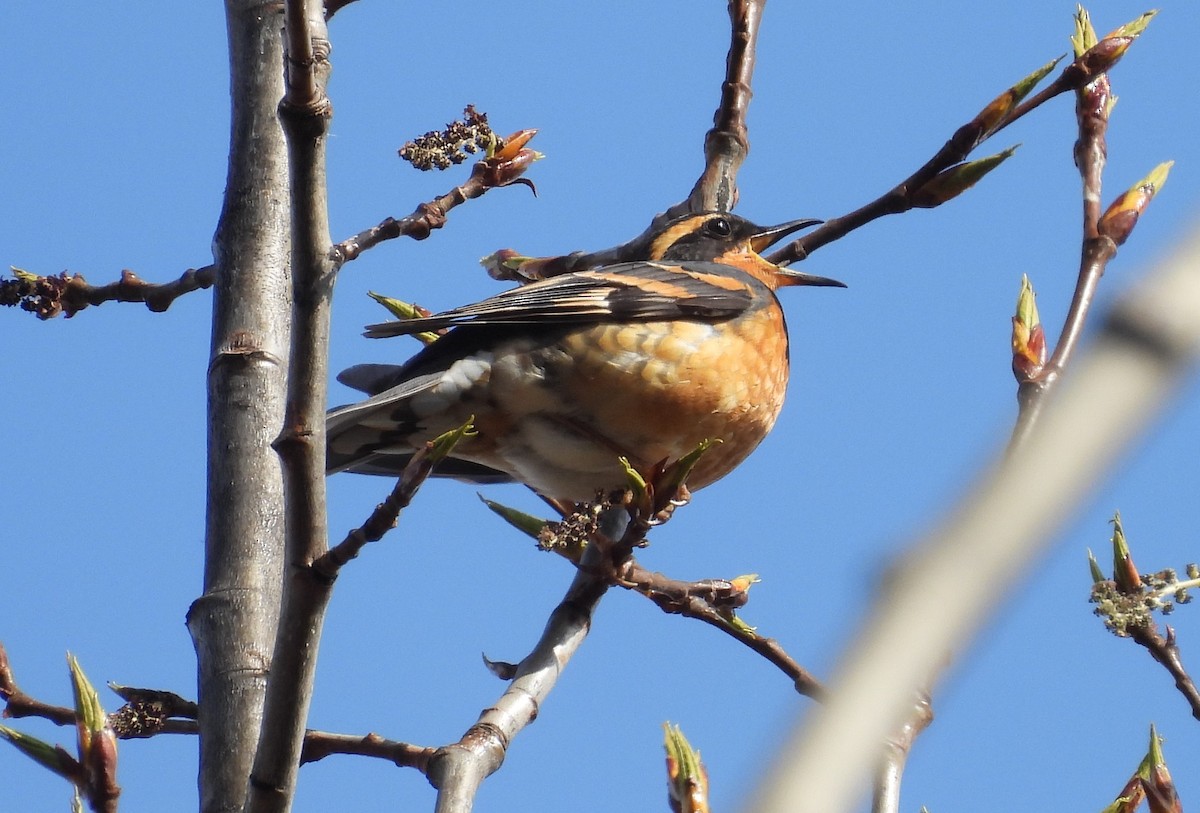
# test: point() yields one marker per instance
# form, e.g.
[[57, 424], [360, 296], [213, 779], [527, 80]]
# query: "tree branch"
[[491, 173], [728, 142], [712, 602], [725, 147], [233, 623], [998, 114], [1093, 103], [1166, 652], [305, 113], [457, 770], [1148, 343], [47, 297]]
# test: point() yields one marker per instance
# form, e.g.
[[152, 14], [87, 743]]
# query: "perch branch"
[[457, 770]]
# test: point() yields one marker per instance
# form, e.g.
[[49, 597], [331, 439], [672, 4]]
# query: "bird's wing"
[[640, 291]]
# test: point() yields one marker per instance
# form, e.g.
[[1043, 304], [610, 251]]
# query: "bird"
[[562, 377]]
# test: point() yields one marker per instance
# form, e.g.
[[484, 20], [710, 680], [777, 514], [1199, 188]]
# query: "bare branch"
[[886, 797], [1164, 650], [728, 142], [304, 113], [320, 744], [18, 704], [47, 297], [382, 519], [725, 147], [457, 770], [998, 114], [491, 173], [233, 623], [710, 602]]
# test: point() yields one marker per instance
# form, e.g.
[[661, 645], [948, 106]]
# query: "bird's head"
[[725, 238]]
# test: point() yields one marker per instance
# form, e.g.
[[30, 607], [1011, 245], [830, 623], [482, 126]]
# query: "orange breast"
[[655, 390]]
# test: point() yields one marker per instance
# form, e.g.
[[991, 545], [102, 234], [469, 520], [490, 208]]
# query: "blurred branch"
[[1087, 76], [1148, 343], [47, 297]]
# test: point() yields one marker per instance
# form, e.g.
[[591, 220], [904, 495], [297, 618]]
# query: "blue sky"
[[116, 144]]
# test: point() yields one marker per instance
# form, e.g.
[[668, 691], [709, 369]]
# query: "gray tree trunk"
[[233, 623]]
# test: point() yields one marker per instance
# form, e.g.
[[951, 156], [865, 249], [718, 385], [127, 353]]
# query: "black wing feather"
[[640, 291]]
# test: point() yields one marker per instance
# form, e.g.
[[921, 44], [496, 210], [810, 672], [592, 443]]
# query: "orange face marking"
[[672, 235], [745, 259]]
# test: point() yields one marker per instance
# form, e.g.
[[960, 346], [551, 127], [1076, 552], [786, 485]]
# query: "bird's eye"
[[719, 227]]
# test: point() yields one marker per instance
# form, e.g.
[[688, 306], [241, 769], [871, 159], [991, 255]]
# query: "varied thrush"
[[644, 360]]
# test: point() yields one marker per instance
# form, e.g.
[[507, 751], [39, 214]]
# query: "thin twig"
[[725, 147], [708, 602], [381, 520], [1092, 107], [1164, 650], [904, 196], [320, 744], [47, 297], [19, 704], [491, 173]]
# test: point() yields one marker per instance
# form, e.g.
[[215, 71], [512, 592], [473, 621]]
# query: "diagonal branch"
[[710, 603], [998, 114], [490, 173], [1164, 650], [726, 145], [457, 770]]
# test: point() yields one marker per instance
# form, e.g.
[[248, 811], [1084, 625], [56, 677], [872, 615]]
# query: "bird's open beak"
[[766, 238]]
